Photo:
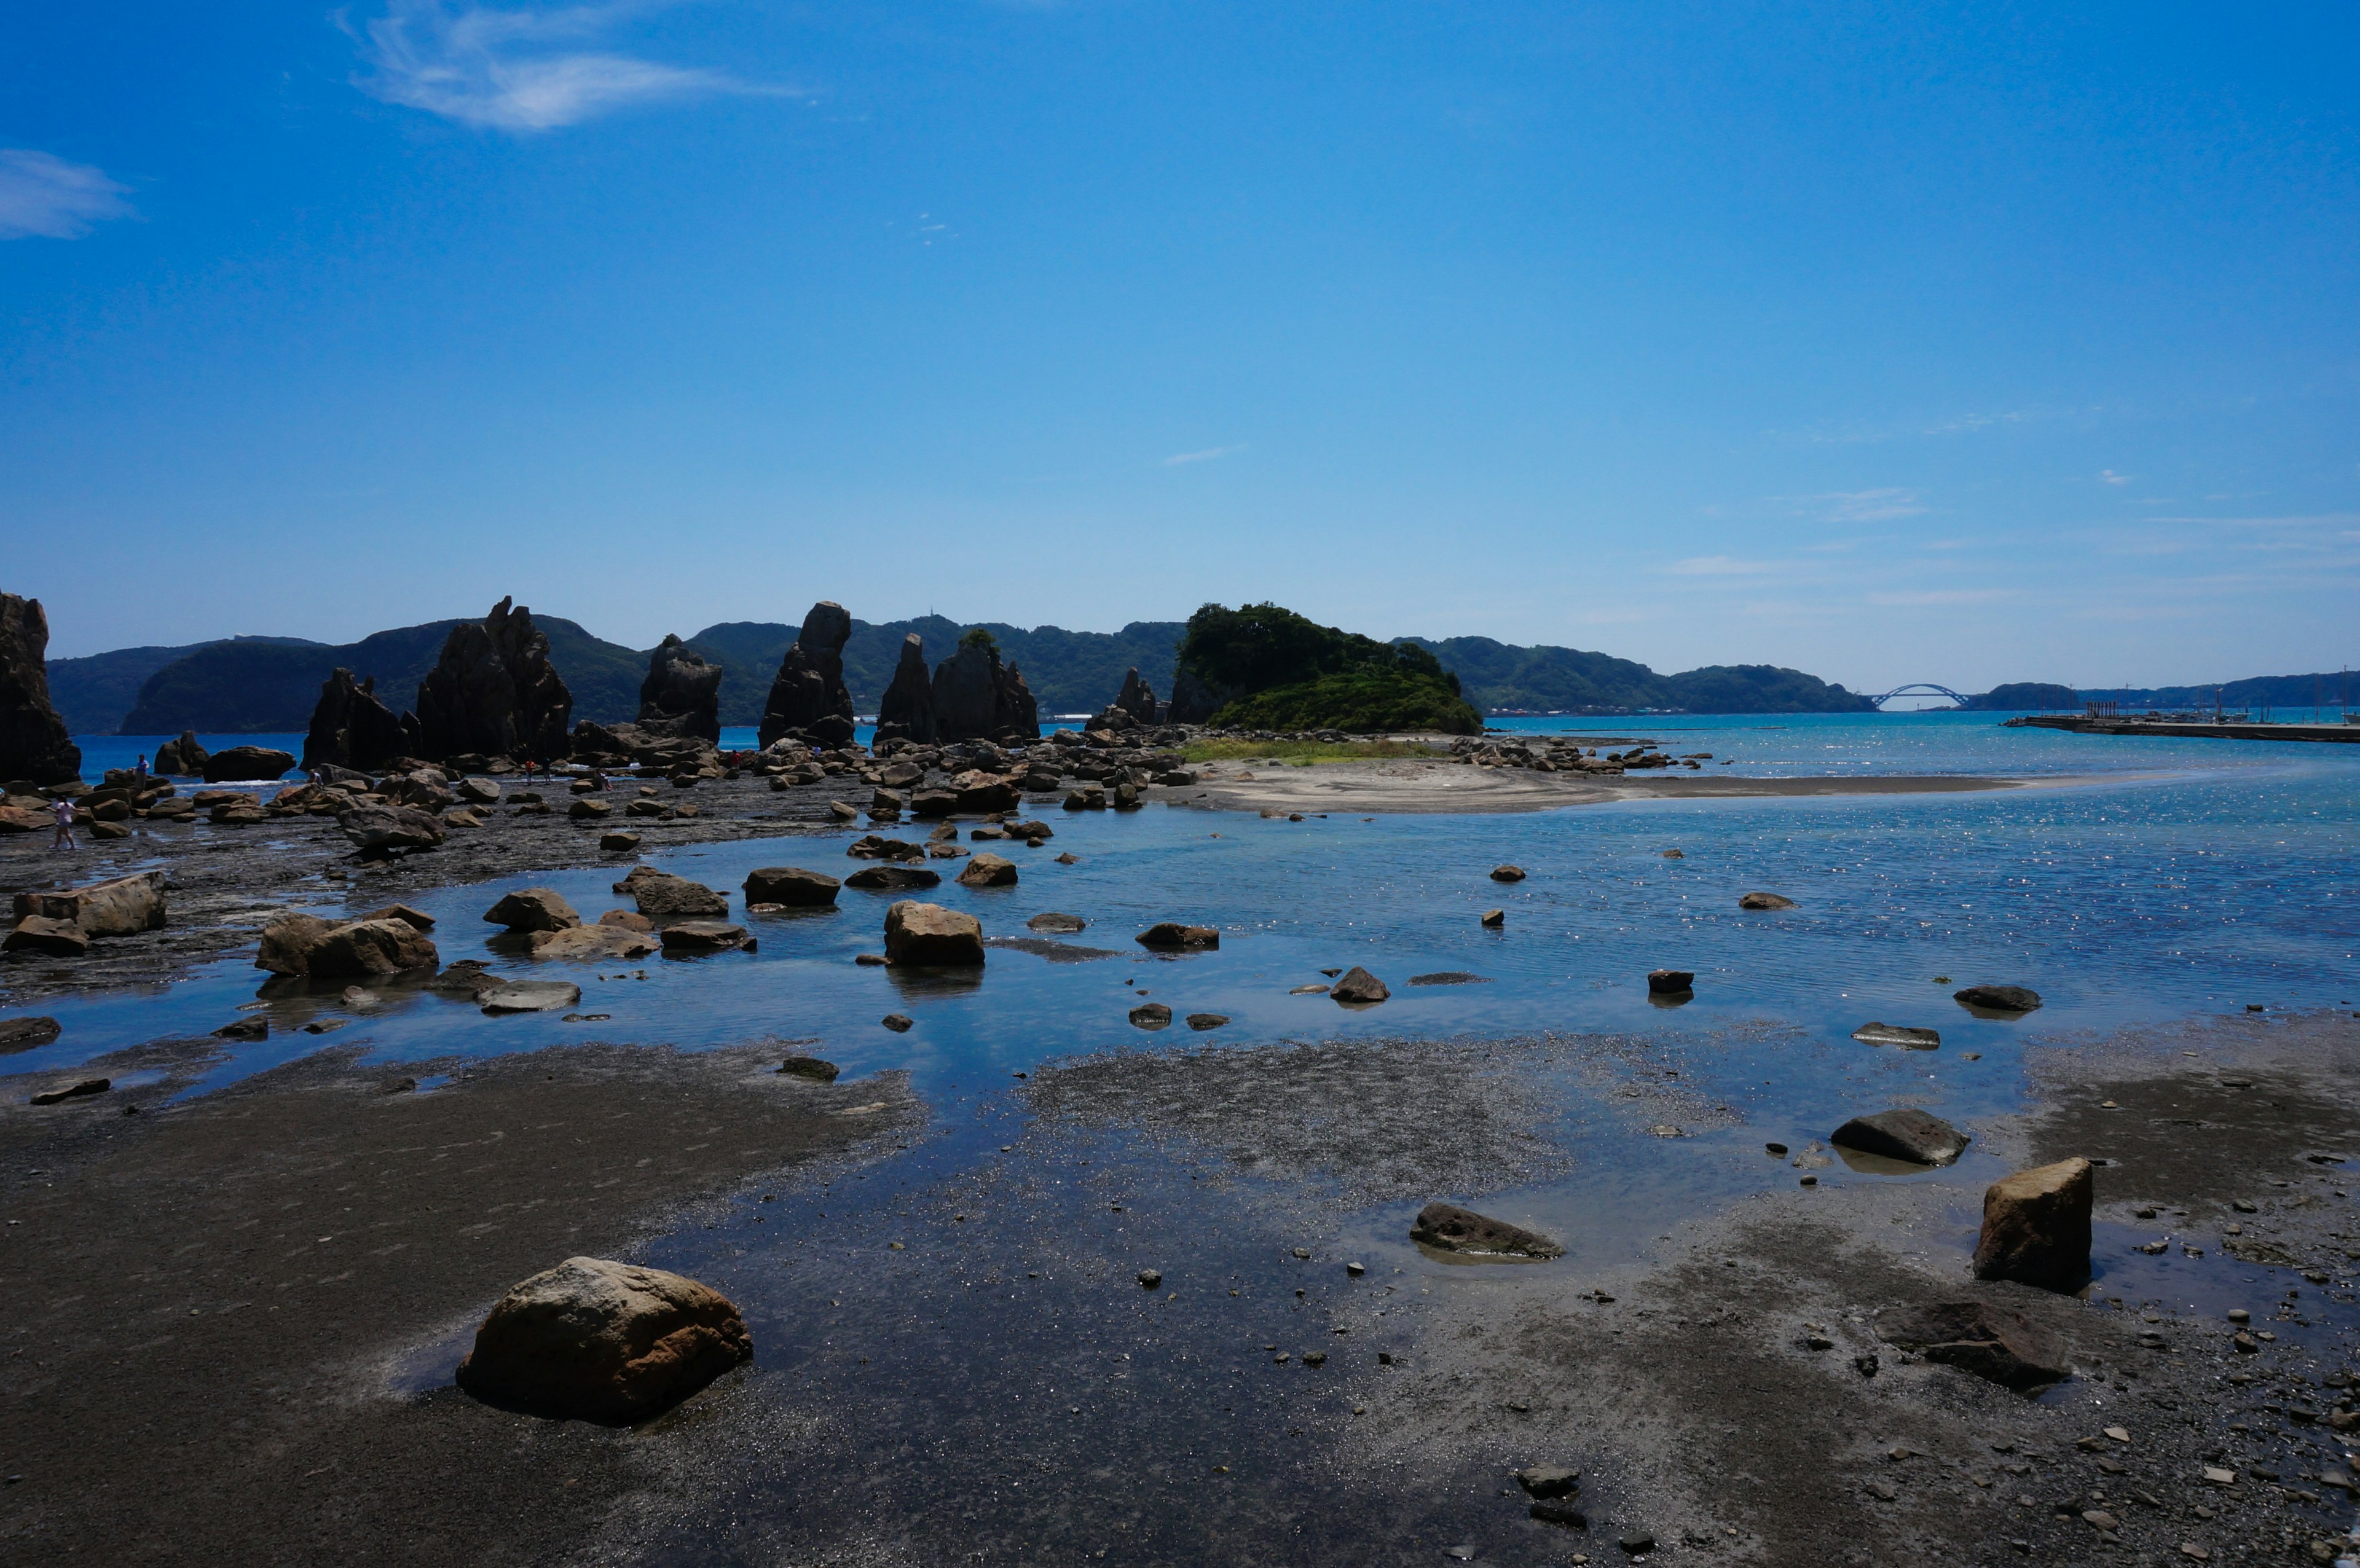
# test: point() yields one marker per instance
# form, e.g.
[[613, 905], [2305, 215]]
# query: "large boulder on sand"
[[931, 936], [123, 906], [245, 762], [494, 692], [34, 744], [591, 1339], [791, 886], [1905, 1133], [533, 910], [1453, 1229], [2036, 1226], [1997, 1343]]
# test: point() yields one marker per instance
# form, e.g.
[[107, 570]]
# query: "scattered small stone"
[[254, 1028], [1203, 1021], [1763, 901], [900, 1023], [1507, 873], [1670, 982], [1495, 918], [1151, 1278], [1151, 1016]]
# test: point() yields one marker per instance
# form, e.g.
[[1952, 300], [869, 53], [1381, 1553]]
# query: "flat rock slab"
[[1151, 1016], [1763, 901], [791, 886], [1998, 998], [1168, 935], [23, 1034], [1453, 1229], [1055, 951], [1897, 1034], [894, 878], [1907, 1133], [704, 936], [602, 941], [529, 997], [1055, 922], [1991, 1342], [1449, 977]]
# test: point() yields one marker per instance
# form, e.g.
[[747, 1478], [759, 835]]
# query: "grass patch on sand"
[[1305, 751]]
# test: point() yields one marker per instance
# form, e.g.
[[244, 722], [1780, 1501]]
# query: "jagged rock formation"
[[681, 695], [906, 711], [1136, 698], [352, 729], [1193, 702], [185, 756], [977, 698], [494, 692], [808, 698], [33, 740]]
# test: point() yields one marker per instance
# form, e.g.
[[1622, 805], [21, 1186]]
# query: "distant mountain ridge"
[[256, 684]]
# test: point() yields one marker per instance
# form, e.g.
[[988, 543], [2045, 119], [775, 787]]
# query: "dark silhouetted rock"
[[533, 910], [1136, 698], [1172, 934], [808, 698], [900, 1023], [1763, 901], [1193, 702], [682, 694], [1453, 1229], [1448, 977], [811, 1067], [1907, 1133], [978, 697], [1151, 1016], [1200, 1022], [1357, 987], [663, 897], [2036, 1226], [704, 936], [23, 1034], [1507, 873], [1495, 919], [1054, 921], [1991, 1342], [906, 711], [494, 693], [591, 1339], [352, 729], [791, 886], [892, 878], [244, 762], [181, 758], [929, 936], [1998, 998], [82, 1090], [34, 744], [1670, 982]]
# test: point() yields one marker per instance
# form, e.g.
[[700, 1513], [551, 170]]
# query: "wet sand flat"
[[1417, 787]]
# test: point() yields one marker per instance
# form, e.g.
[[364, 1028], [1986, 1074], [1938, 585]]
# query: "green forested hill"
[[1498, 676]]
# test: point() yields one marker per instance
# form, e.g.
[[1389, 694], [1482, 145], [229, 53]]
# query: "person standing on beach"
[[64, 838], [139, 772]]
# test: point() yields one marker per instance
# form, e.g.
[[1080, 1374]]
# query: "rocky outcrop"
[[181, 758], [929, 936], [352, 729], [1453, 1229], [906, 711], [244, 762], [1907, 1133], [591, 1339], [2036, 1226], [322, 949], [808, 698], [33, 741], [123, 906], [681, 695], [494, 692], [1136, 698], [1193, 702], [978, 697], [1994, 1342]]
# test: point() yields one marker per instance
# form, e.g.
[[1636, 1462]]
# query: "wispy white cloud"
[[518, 70], [1179, 458], [1717, 566], [1865, 506], [2108, 476], [46, 196], [1944, 596]]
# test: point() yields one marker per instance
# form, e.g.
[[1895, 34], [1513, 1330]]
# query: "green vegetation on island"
[[1263, 667]]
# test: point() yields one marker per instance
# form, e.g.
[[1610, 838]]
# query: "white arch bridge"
[[1920, 689]]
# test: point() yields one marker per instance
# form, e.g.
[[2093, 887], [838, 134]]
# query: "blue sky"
[[1889, 341]]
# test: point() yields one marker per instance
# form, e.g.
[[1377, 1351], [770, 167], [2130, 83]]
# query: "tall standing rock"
[[33, 740], [1136, 698], [351, 727], [1193, 702], [681, 695], [2036, 1226], [494, 693], [809, 697], [906, 711], [977, 698]]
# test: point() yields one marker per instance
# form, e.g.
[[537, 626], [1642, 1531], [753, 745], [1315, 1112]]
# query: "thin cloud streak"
[[1180, 458], [512, 70], [43, 196]]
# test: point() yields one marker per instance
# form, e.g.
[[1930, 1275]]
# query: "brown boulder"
[[533, 910], [593, 1340], [1357, 987], [368, 948], [39, 933], [704, 936], [791, 886], [663, 897], [987, 871], [1173, 934], [929, 935], [1906, 1133], [122, 907], [1763, 901], [583, 943], [1453, 1229], [894, 878], [494, 692], [2036, 1226]]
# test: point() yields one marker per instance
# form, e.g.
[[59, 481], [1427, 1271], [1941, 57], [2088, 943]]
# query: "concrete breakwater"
[[2086, 723]]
